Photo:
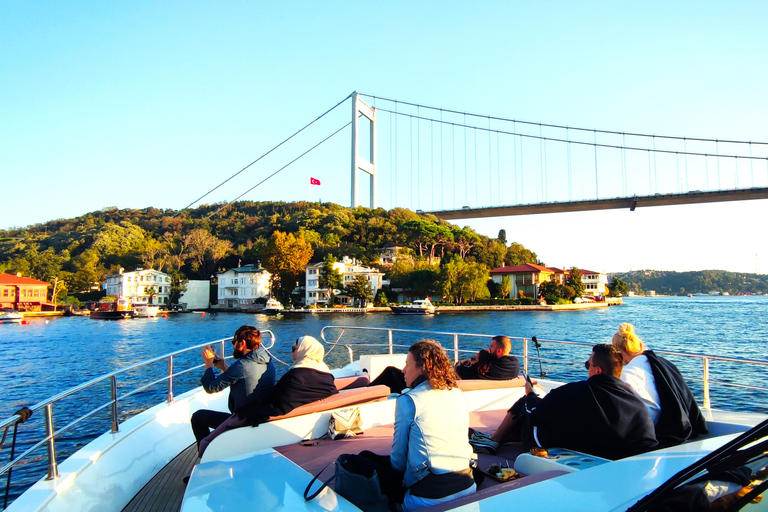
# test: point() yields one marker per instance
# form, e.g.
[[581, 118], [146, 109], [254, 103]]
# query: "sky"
[[154, 104]]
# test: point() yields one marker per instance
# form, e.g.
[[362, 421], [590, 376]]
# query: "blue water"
[[47, 357]]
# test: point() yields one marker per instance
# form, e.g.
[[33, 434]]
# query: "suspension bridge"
[[457, 164]]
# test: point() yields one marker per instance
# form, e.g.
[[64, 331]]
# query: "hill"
[[704, 281], [194, 243]]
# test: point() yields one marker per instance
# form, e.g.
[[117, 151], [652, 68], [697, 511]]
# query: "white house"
[[349, 268], [141, 285], [595, 283], [240, 287]]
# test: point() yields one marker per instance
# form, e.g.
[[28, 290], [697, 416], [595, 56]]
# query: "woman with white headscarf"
[[308, 380]]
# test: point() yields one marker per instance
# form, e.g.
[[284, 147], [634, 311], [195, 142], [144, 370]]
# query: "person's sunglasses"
[[587, 365]]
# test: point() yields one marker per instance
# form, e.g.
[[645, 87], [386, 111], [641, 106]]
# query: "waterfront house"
[[241, 287], [141, 285], [349, 268], [525, 278], [595, 283], [22, 293]]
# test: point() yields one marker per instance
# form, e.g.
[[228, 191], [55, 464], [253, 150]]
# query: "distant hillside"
[[704, 281], [194, 243]]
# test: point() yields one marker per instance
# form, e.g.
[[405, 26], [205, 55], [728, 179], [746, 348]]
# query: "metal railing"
[[390, 344], [47, 405]]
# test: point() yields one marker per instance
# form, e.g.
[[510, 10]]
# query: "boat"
[[117, 309], [144, 310], [10, 316], [273, 307], [417, 307], [139, 464]]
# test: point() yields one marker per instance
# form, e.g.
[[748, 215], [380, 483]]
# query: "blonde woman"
[[662, 388]]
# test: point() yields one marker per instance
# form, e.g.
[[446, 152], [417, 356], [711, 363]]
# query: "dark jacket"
[[248, 378], [680, 418], [297, 387], [503, 368], [599, 416]]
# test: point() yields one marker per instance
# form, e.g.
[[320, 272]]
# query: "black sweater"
[[297, 387]]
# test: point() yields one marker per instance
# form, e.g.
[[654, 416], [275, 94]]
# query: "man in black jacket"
[[493, 364], [600, 416]]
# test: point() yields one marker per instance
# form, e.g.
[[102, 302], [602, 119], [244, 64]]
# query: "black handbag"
[[356, 480]]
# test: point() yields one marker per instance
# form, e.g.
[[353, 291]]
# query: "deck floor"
[[165, 491]]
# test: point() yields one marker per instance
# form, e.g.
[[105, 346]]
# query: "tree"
[[381, 299], [575, 282], [506, 286], [330, 278], [464, 240], [619, 288], [205, 250], [360, 290], [517, 254], [502, 236], [285, 257]]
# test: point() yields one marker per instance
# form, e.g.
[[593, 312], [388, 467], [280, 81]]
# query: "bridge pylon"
[[365, 163]]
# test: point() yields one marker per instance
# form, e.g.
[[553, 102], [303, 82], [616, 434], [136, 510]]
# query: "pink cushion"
[[357, 381], [341, 399]]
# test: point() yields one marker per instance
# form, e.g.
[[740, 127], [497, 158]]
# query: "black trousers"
[[392, 377], [203, 421]]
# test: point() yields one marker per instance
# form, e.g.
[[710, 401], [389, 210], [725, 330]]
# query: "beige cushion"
[[358, 381], [341, 399], [477, 384]]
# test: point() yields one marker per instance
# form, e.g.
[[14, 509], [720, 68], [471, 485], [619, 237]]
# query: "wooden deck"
[[164, 492]]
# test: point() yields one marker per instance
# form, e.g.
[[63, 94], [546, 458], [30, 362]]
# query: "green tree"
[[517, 254], [464, 239], [619, 288], [381, 299], [506, 287], [502, 236], [575, 282], [360, 290]]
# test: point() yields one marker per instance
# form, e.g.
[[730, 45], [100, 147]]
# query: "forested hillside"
[[705, 281], [195, 243]]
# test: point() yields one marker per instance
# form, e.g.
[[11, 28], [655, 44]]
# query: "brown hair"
[[248, 334], [504, 342], [608, 359], [430, 356]]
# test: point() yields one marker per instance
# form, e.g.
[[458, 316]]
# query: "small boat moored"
[[273, 307], [417, 307], [117, 309], [145, 310], [10, 316]]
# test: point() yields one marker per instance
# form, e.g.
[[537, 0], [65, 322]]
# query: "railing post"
[[706, 383], [525, 355], [391, 348], [53, 469], [222, 350], [113, 388], [170, 379], [455, 348]]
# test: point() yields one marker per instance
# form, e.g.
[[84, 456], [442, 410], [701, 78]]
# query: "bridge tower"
[[365, 163]]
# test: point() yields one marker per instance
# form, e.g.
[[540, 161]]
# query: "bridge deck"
[[606, 204]]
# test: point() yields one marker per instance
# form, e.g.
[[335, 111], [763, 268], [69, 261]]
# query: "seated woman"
[[308, 380], [430, 455], [659, 384]]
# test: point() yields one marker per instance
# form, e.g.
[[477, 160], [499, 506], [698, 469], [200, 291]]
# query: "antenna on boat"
[[538, 346]]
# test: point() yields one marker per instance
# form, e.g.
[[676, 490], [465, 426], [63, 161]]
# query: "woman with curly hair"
[[430, 457]]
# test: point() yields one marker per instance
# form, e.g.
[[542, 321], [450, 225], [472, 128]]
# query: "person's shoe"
[[476, 434], [484, 446]]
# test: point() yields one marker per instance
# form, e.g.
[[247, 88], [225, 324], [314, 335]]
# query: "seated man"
[[492, 364], [600, 416], [250, 377]]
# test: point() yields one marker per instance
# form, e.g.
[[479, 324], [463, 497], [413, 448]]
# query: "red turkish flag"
[[314, 181]]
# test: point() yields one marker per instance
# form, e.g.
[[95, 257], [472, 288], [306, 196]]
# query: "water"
[[47, 357]]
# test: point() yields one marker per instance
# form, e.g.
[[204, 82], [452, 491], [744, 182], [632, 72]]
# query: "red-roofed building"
[[527, 277], [22, 293], [595, 283]]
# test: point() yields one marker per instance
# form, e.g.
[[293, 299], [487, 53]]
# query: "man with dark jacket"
[[250, 377], [493, 364], [600, 416]]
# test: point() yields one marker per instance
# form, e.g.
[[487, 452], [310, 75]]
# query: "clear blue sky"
[[152, 104]]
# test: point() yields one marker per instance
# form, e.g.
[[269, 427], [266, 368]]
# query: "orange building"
[[22, 293]]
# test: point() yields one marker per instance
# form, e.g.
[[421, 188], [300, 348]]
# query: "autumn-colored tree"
[[205, 250], [285, 256]]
